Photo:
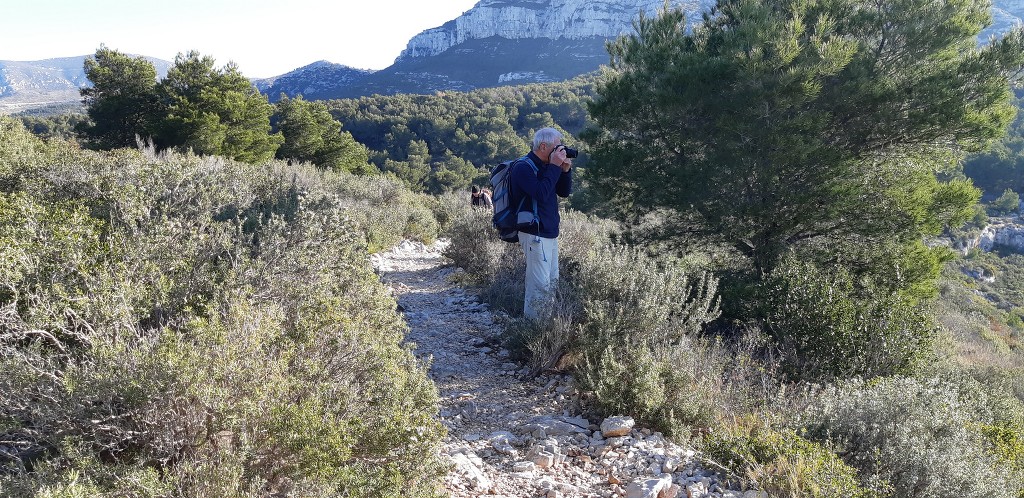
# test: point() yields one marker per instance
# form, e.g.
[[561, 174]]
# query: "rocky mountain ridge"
[[497, 42], [31, 84], [502, 42], [314, 79], [560, 19]]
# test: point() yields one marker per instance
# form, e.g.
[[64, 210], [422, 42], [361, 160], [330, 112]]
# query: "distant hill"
[[487, 62], [504, 42], [26, 85], [497, 42], [500, 42], [315, 79]]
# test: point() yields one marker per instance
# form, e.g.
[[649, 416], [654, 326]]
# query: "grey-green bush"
[[826, 330], [782, 463], [639, 323], [182, 326], [913, 437]]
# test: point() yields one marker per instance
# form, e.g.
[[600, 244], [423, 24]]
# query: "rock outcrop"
[[555, 19], [1008, 235]]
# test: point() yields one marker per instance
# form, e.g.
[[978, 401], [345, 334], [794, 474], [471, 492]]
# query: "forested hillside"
[[438, 143], [1001, 167]]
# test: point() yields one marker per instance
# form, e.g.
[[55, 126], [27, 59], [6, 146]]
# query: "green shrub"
[[913, 438], [826, 329], [476, 248], [1008, 202], [626, 322], [782, 463], [543, 344], [449, 207], [49, 253], [1004, 391], [384, 209], [499, 268], [638, 347], [19, 153], [1008, 442], [181, 326]]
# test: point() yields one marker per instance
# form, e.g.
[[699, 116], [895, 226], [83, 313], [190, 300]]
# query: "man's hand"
[[566, 165], [558, 157]]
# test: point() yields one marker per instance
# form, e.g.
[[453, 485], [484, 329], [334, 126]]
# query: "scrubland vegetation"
[[175, 325], [773, 293], [640, 334], [750, 267]]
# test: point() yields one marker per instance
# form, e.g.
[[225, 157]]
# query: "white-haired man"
[[544, 175]]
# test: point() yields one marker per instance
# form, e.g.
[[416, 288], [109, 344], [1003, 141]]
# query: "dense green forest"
[[444, 142], [433, 143], [751, 263]]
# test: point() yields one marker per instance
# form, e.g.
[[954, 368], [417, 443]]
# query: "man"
[[481, 197], [551, 179]]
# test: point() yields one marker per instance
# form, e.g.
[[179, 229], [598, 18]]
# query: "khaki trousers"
[[541, 272]]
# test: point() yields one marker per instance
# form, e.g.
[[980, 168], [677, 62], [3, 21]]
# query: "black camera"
[[569, 152]]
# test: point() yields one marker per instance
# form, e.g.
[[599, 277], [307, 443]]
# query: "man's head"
[[476, 191], [545, 140]]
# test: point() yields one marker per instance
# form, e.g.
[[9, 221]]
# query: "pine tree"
[[311, 134], [802, 125], [121, 103], [215, 111]]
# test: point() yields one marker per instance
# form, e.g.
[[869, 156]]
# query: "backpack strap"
[[534, 167], [535, 171]]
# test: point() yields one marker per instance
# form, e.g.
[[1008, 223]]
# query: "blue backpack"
[[509, 221]]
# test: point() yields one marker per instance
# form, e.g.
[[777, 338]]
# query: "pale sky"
[[265, 38]]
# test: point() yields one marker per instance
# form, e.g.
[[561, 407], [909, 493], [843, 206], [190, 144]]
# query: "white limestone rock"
[[569, 19], [465, 466], [650, 488], [617, 426]]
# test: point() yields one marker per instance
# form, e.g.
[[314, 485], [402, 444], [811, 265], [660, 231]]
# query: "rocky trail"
[[509, 437]]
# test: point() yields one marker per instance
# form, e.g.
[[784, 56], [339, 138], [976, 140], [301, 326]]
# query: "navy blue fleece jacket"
[[543, 186]]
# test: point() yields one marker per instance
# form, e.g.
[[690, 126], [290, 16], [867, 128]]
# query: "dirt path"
[[513, 438]]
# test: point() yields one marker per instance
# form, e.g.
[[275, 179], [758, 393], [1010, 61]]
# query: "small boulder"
[[617, 426], [650, 488], [465, 466], [523, 467]]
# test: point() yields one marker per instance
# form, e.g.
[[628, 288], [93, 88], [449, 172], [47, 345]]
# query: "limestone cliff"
[[530, 19]]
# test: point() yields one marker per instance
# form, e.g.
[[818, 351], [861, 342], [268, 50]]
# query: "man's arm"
[[564, 186], [536, 186]]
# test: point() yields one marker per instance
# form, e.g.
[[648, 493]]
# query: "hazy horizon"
[[366, 35]]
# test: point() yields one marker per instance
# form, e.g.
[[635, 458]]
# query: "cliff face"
[[581, 19], [554, 19], [1005, 234]]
